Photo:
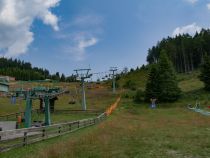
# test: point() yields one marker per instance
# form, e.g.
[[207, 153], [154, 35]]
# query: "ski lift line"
[[96, 73], [107, 72], [31, 81]]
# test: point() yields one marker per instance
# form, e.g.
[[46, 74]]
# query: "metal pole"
[[82, 76], [113, 69], [83, 94], [114, 87], [47, 111], [28, 110]]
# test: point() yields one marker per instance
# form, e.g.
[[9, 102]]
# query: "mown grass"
[[132, 131]]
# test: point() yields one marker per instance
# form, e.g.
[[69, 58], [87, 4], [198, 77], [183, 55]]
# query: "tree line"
[[185, 51], [24, 71]]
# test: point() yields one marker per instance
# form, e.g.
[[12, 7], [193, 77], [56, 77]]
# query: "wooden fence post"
[[70, 127], [0, 130], [59, 129], [43, 133], [25, 139]]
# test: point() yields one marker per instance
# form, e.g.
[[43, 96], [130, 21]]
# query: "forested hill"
[[186, 52], [22, 70]]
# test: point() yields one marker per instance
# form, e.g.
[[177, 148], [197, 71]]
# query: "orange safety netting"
[[112, 107]]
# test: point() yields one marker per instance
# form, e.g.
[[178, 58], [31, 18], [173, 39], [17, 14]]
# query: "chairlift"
[[72, 96]]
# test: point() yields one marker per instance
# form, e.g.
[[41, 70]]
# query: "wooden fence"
[[14, 116], [22, 137]]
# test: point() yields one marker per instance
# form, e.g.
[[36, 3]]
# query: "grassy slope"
[[187, 82], [136, 131], [190, 82], [132, 131], [139, 77]]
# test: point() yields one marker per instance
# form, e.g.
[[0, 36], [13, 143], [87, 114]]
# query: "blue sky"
[[69, 34]]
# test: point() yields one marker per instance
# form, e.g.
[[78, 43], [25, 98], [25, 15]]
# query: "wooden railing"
[[22, 137], [14, 116]]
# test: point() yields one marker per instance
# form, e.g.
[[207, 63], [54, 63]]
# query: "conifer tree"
[[205, 72], [152, 89], [162, 83], [169, 90], [63, 78]]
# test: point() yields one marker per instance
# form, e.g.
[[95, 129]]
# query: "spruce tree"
[[169, 90], [205, 72], [63, 78], [162, 83], [152, 87]]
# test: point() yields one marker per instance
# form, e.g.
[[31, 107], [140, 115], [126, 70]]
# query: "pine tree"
[[205, 72]]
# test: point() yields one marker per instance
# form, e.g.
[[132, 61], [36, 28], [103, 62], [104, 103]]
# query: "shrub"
[[140, 95], [130, 85]]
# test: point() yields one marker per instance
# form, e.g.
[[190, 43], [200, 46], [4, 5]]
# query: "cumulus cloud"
[[190, 29], [192, 1], [16, 18]]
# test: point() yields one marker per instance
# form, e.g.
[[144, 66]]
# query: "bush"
[[140, 95], [129, 95], [130, 85]]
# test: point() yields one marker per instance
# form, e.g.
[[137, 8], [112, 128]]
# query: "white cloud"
[[192, 1], [208, 6], [190, 29], [80, 34], [16, 19], [90, 20], [80, 43]]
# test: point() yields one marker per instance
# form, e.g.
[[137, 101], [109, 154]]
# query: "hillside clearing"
[[132, 131]]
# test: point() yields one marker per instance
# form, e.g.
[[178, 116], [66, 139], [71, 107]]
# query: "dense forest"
[[24, 71], [185, 51]]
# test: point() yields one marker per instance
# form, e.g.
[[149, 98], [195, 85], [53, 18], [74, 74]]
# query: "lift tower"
[[83, 74], [113, 70]]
